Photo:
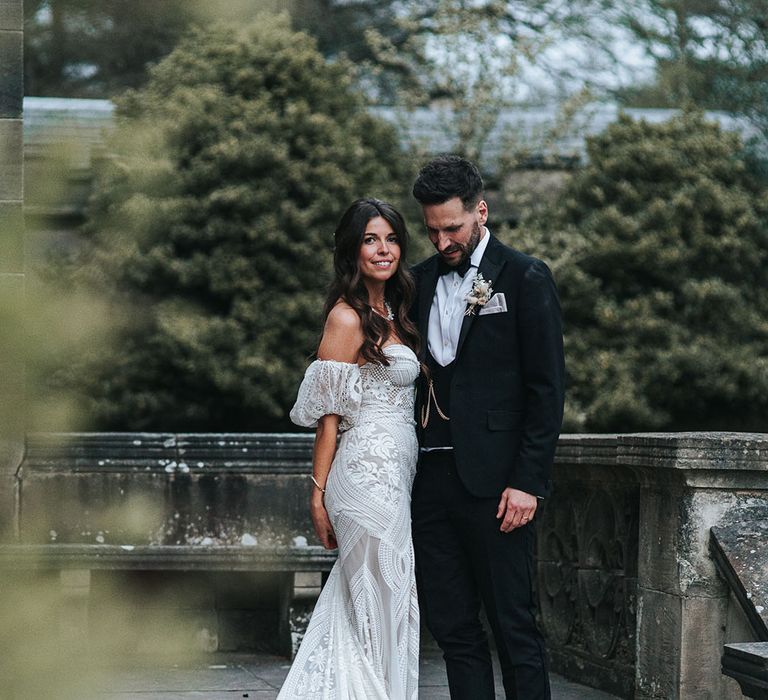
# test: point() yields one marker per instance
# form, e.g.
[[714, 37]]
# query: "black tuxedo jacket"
[[507, 390]]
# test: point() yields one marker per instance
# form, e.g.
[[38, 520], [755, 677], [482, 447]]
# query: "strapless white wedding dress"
[[363, 639]]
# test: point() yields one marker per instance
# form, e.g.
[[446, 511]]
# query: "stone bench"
[[219, 504], [24, 557], [299, 570]]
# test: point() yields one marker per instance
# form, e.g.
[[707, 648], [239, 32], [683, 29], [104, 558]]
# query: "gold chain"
[[425, 409]]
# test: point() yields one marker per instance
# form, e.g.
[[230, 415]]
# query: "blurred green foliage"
[[98, 48], [661, 252], [210, 229], [95, 48], [73, 634]]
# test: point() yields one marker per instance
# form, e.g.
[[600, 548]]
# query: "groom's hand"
[[516, 508]]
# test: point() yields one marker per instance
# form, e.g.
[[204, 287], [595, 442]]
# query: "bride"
[[363, 639]]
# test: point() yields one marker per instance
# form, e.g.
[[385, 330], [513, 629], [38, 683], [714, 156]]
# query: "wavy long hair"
[[348, 284]]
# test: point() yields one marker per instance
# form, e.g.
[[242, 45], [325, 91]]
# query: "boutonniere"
[[479, 295]]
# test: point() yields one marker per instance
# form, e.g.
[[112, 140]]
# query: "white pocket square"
[[496, 304]]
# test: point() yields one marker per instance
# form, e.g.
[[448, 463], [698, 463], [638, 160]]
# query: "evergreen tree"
[[663, 288], [211, 228]]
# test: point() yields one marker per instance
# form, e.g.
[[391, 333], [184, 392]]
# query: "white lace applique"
[[363, 639], [328, 388], [379, 390]]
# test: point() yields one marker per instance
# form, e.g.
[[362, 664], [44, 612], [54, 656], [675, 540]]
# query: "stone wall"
[[166, 489], [11, 255]]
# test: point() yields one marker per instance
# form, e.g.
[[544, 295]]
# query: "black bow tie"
[[444, 268]]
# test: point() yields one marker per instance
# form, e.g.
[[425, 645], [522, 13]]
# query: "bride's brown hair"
[[349, 287]]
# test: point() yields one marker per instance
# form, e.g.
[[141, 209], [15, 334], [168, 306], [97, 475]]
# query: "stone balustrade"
[[165, 489], [631, 597], [223, 517], [634, 548]]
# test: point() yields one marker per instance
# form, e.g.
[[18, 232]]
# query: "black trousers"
[[463, 559]]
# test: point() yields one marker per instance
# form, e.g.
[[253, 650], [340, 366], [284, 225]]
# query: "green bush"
[[210, 230], [662, 255]]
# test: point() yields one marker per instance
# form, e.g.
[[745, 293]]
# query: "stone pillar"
[[11, 258], [688, 484]]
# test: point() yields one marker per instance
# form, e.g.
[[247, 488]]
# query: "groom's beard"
[[466, 248]]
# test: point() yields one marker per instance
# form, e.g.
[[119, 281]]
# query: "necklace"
[[390, 316]]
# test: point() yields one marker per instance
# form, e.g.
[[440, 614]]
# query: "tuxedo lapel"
[[427, 286], [490, 266]]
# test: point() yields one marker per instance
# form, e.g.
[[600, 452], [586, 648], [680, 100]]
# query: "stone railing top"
[[169, 452], [751, 651], [695, 450], [747, 662], [594, 448], [741, 557], [291, 452]]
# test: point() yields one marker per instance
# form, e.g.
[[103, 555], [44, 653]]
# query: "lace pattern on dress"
[[329, 388], [363, 639], [389, 389]]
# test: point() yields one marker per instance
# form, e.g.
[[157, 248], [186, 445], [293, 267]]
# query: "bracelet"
[[314, 481]]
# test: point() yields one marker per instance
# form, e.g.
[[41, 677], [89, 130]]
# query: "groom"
[[489, 418]]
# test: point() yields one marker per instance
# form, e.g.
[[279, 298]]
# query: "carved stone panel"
[[587, 571]]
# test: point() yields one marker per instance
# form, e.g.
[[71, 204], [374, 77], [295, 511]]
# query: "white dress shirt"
[[449, 305]]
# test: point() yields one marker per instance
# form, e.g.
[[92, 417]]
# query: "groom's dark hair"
[[447, 177]]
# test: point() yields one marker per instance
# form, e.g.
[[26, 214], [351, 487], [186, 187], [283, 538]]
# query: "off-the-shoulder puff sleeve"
[[328, 387]]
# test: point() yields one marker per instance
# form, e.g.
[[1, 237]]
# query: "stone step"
[[259, 676]]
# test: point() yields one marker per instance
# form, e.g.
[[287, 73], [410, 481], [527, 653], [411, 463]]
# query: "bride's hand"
[[322, 523]]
